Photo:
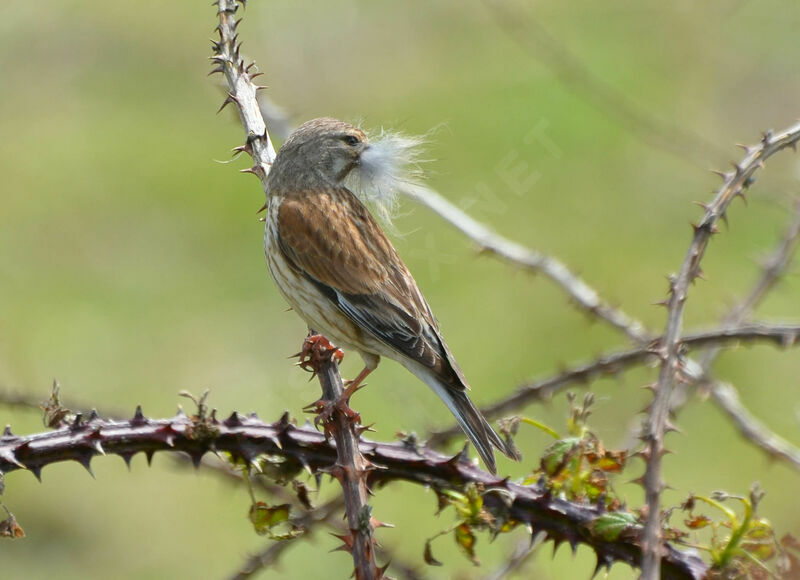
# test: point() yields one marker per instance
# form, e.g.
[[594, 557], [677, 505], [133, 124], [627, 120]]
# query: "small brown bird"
[[341, 274]]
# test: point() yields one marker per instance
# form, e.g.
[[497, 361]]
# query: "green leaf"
[[265, 517], [611, 526], [558, 454]]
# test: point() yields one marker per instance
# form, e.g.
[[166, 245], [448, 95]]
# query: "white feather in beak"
[[387, 166]]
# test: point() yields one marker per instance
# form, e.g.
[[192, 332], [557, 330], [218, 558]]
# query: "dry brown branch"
[[241, 89], [724, 394], [586, 297], [726, 397], [614, 363], [774, 267], [735, 183]]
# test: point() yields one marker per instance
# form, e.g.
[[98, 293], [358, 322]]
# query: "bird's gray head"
[[322, 149], [326, 152]]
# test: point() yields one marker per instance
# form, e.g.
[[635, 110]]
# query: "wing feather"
[[331, 238]]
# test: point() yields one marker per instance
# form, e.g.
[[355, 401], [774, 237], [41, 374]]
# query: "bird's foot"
[[316, 350], [325, 409]]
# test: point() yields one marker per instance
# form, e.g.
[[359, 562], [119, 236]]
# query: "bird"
[[337, 269]]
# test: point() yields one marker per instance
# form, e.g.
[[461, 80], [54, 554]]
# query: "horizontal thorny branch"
[[294, 449], [617, 362]]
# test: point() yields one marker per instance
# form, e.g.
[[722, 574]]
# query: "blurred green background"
[[131, 261]]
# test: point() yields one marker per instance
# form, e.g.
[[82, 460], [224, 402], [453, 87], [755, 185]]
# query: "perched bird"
[[341, 274]]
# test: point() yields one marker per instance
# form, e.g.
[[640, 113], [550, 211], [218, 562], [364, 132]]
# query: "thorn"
[[262, 208], [229, 99], [126, 457], [638, 481], [78, 423], [37, 472], [7, 432], [98, 448], [9, 457], [86, 461], [149, 454], [197, 458], [233, 421], [138, 417]]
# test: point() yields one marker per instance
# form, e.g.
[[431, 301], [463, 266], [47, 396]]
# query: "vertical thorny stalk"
[[351, 468], [657, 424]]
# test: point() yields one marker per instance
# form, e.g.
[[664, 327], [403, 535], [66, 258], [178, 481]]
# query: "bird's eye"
[[351, 140]]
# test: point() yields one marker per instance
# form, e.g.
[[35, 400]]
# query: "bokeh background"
[[131, 261]]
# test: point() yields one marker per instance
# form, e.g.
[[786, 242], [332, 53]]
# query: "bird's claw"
[[325, 409], [316, 350]]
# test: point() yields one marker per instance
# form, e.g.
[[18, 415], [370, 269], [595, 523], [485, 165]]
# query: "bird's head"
[[323, 148], [329, 152]]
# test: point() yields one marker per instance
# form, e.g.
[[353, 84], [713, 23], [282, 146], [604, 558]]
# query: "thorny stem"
[[725, 395], [490, 241], [735, 183], [248, 439], [614, 363], [351, 467], [241, 89]]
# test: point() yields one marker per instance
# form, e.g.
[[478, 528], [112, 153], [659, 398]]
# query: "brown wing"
[[331, 238]]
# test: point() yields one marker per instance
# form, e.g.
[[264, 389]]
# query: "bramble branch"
[[488, 240], [783, 336], [734, 184], [248, 439], [351, 468]]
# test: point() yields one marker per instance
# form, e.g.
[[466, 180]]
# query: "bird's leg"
[[354, 384]]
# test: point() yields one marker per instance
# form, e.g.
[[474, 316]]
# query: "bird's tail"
[[474, 424]]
